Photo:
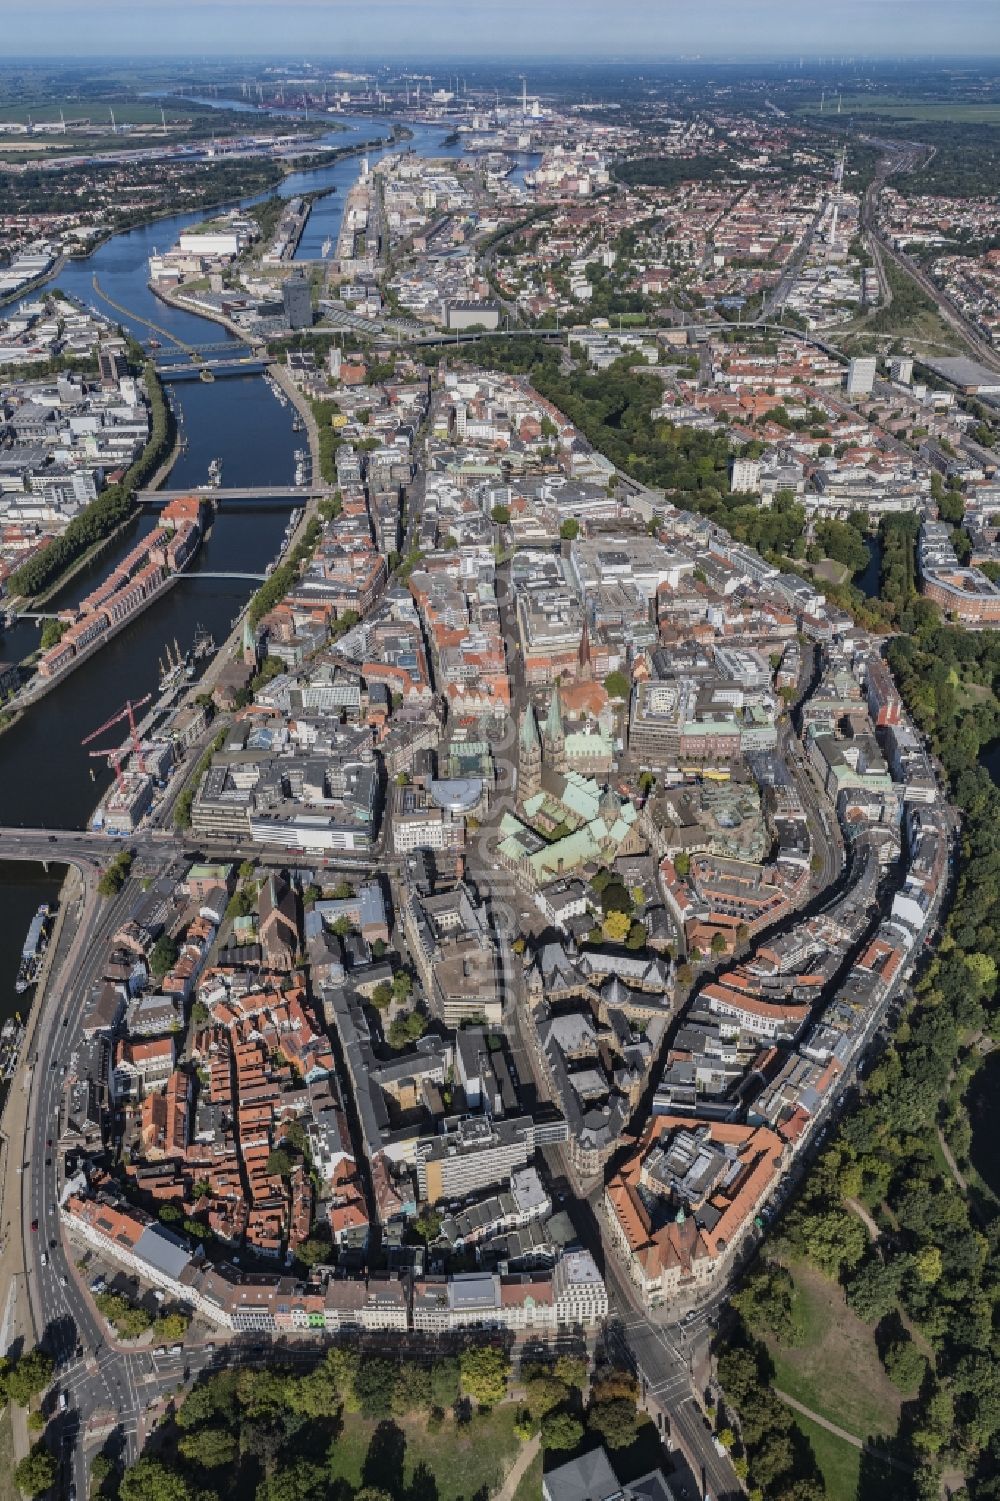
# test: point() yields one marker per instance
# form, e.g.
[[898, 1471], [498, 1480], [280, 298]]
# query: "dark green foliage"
[[781, 1464], [52, 632], [376, 1385], [37, 1471], [873, 1289], [764, 1302], [616, 1421], [561, 1430], [905, 1365], [163, 956], [329, 438], [406, 1029], [670, 171], [26, 1378], [116, 874], [842, 542]]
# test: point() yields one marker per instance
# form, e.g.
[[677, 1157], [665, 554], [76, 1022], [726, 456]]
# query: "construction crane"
[[116, 756]]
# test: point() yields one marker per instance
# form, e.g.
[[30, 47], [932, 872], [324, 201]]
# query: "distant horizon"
[[549, 60], [655, 32]]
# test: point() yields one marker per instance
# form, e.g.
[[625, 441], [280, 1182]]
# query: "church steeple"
[[554, 738], [529, 755]]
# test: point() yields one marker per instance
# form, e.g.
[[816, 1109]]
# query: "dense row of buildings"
[[62, 438]]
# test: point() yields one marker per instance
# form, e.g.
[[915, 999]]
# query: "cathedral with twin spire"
[[569, 819]]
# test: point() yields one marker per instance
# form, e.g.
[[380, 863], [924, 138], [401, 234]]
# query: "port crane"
[[116, 756]]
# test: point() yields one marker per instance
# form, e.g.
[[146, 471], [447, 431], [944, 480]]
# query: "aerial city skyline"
[[499, 809]]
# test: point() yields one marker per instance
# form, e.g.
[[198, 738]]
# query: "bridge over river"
[[263, 495]]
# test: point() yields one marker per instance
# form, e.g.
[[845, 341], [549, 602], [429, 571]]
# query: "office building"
[[744, 476], [296, 295], [861, 376], [473, 1155]]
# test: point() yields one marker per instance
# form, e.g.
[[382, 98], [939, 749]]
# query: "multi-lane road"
[[107, 1387], [97, 1377]]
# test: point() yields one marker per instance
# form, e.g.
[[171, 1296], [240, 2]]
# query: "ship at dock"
[[35, 945], [185, 664], [11, 1038], [175, 668]]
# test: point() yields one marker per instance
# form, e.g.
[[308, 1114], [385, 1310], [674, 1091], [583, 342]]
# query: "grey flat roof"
[[163, 1250]]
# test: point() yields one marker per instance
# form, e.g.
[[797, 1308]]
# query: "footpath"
[[522, 1464], [849, 1438]]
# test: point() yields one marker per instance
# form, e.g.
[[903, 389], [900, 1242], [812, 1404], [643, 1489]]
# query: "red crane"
[[117, 755]]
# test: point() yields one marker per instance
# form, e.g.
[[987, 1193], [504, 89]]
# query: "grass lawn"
[[839, 1462], [531, 1481], [464, 1460], [892, 107], [835, 1370], [832, 572], [973, 693], [8, 1490], [97, 111], [940, 1160]]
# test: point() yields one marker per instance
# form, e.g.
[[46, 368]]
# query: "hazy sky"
[[504, 28]]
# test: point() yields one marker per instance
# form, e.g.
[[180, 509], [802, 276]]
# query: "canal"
[[46, 777], [870, 576]]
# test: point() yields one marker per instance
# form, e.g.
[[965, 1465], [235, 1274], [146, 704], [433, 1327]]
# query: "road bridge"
[[224, 346], [217, 369], [14, 841], [205, 573], [291, 495]]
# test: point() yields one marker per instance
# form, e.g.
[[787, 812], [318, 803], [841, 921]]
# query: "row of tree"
[[273, 1432]]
